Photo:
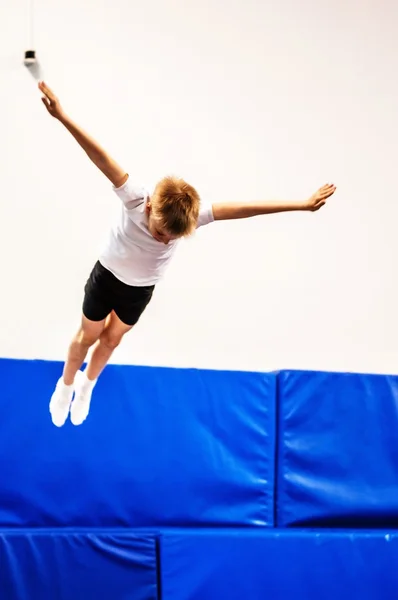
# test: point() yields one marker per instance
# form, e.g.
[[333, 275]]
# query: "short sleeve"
[[205, 215], [130, 194]]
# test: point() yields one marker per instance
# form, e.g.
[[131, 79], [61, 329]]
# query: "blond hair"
[[175, 206]]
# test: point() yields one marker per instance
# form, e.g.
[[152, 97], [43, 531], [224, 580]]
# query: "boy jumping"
[[137, 252]]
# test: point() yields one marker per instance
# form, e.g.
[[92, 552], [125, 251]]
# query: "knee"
[[110, 340], [86, 339]]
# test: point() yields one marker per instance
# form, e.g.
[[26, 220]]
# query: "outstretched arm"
[[99, 157], [224, 211]]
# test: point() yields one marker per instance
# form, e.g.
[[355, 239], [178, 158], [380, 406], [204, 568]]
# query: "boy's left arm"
[[224, 211]]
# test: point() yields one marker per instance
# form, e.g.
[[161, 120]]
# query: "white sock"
[[66, 388], [88, 384]]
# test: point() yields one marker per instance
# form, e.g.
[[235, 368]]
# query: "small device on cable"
[[30, 58]]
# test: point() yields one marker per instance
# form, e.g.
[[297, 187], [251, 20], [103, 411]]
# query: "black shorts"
[[104, 293]]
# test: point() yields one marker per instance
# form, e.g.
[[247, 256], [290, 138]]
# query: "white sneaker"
[[81, 403], [60, 403]]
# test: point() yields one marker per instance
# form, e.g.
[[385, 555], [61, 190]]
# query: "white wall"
[[248, 101]]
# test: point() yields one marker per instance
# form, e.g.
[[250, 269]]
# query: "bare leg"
[[61, 399], [109, 340], [87, 335]]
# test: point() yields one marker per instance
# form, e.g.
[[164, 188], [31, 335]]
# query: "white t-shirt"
[[131, 253]]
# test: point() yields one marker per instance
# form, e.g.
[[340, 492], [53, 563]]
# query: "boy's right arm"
[[99, 157]]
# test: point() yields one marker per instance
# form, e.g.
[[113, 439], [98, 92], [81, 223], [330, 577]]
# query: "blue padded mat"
[[237, 565], [160, 447], [50, 565], [337, 459]]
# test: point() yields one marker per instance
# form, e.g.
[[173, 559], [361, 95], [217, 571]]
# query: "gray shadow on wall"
[[33, 65], [36, 71]]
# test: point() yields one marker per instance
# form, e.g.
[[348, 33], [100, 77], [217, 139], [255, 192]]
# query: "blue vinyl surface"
[[225, 456], [257, 565], [62, 565], [337, 459], [160, 447]]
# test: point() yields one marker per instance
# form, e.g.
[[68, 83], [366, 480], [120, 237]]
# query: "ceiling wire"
[[31, 24]]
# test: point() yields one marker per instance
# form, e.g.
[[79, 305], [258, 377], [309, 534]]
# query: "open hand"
[[318, 199], [50, 101]]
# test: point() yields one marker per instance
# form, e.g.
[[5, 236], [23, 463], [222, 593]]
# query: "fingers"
[[327, 190], [46, 90], [42, 87], [48, 105], [319, 198]]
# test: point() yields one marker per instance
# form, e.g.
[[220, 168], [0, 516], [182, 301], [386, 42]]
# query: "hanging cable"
[[30, 54], [31, 23]]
